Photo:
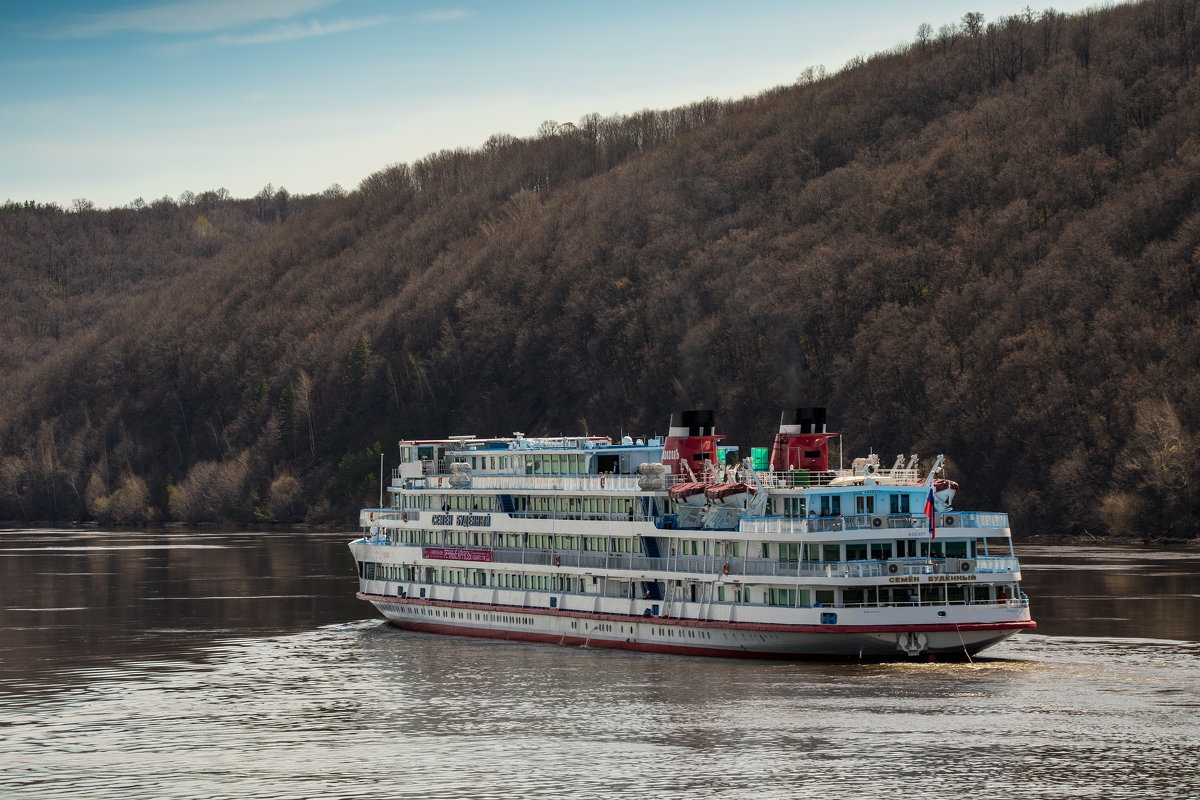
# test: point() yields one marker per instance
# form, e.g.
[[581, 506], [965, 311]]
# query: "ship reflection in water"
[[173, 665]]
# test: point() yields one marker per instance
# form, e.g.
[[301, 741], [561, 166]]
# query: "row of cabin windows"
[[772, 596], [556, 464], [709, 547], [539, 503], [473, 577], [562, 583], [445, 502], [830, 505], [801, 598], [794, 552], [489, 463], [535, 541], [539, 464], [574, 505], [784, 552]]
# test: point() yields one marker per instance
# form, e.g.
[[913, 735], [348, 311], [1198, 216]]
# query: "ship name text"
[[930, 578], [450, 554], [463, 520]]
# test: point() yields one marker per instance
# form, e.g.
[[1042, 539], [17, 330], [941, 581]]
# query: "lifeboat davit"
[[729, 494], [689, 494]]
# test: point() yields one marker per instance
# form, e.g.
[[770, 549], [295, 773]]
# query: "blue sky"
[[112, 101]]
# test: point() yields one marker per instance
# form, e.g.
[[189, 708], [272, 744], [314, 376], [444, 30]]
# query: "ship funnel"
[[802, 441], [691, 440]]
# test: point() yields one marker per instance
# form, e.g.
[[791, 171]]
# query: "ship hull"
[[694, 637]]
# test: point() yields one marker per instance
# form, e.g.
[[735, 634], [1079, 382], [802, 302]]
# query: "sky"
[[113, 101]]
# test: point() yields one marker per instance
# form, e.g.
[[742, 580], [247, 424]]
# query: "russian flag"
[[929, 513]]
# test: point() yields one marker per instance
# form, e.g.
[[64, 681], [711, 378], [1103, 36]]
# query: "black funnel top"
[[810, 420], [700, 422]]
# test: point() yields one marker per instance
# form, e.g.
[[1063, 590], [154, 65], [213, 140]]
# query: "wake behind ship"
[[674, 546]]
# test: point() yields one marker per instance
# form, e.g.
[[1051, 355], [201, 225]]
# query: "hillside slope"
[[986, 245]]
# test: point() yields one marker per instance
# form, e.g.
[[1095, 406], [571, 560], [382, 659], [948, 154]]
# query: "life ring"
[[372, 516], [893, 568], [725, 569], [557, 561], [601, 482]]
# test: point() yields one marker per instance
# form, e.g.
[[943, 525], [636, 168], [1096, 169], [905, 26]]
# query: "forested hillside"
[[986, 244]]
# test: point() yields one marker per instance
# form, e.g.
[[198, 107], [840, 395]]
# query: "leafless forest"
[[985, 244]]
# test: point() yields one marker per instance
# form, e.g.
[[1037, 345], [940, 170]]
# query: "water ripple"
[[362, 710]]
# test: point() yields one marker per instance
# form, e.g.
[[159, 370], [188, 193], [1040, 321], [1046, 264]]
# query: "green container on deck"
[[760, 458]]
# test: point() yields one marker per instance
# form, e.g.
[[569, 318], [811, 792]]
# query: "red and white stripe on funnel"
[[802, 442]]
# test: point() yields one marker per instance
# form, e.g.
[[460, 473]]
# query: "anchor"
[[911, 642]]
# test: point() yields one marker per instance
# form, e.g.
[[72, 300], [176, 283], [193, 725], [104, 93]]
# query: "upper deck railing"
[[947, 522], [792, 479]]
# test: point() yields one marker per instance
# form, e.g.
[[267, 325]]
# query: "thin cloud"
[[295, 30], [188, 17], [445, 15]]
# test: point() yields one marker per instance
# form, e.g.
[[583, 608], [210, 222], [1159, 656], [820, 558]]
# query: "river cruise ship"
[[675, 545]]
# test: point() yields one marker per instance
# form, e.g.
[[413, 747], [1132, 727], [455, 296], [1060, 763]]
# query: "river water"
[[239, 665]]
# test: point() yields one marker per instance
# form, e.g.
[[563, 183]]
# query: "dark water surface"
[[239, 665]]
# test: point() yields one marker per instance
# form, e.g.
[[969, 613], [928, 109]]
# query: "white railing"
[[713, 565], [575, 483], [570, 483], [795, 479], [978, 519], [973, 520], [392, 586], [803, 478], [946, 522]]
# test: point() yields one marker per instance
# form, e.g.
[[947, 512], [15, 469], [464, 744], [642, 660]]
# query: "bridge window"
[[898, 503]]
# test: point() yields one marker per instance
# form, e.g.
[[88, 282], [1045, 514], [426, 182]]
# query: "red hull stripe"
[[685, 623], [610, 644]]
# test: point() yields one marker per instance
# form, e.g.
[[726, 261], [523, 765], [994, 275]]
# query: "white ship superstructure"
[[676, 546]]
